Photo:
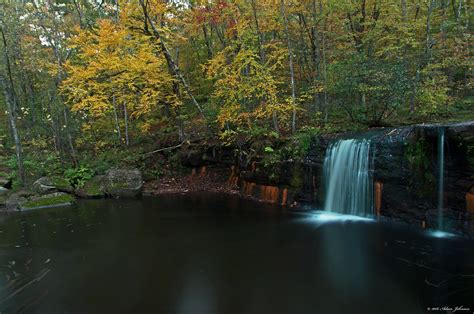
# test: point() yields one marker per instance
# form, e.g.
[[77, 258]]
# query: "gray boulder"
[[4, 191], [45, 185], [5, 182], [124, 182]]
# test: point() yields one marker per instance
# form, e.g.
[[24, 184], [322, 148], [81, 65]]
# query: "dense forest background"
[[89, 84]]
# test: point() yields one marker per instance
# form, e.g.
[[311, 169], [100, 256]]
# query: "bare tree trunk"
[[405, 48], [325, 75], [259, 33], [14, 129], [54, 128], [404, 10], [425, 57], [117, 125], [9, 92], [179, 121], [275, 122], [125, 117], [208, 41], [79, 13], [292, 73], [69, 137], [458, 15], [429, 38]]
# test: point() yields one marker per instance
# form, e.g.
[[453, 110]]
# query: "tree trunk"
[[259, 33], [125, 117], [425, 57], [325, 76], [292, 73], [208, 41], [117, 125], [16, 136], [10, 99], [69, 137], [275, 122]]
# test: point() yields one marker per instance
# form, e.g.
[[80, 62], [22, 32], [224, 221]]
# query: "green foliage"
[[371, 63], [78, 176], [271, 159], [369, 90], [242, 136], [268, 149]]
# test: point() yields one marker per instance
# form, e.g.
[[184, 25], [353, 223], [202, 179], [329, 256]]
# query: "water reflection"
[[344, 260], [198, 294], [218, 254], [440, 234]]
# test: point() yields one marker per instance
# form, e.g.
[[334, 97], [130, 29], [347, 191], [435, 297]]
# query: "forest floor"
[[204, 181]]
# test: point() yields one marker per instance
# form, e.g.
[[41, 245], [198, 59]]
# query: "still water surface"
[[207, 253]]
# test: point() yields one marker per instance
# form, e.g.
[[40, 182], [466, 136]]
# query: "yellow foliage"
[[114, 63]]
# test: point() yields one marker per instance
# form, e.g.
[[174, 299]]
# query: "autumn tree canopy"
[[93, 75]]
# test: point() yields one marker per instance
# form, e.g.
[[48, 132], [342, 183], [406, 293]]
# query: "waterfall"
[[348, 182], [440, 176]]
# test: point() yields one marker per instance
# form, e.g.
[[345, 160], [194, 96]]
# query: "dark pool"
[[218, 254]]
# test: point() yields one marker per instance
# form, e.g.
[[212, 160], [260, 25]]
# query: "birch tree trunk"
[[125, 117]]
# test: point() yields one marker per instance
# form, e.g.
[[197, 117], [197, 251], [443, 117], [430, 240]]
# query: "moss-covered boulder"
[[62, 184], [13, 201], [45, 185], [94, 188], [49, 200], [124, 182]]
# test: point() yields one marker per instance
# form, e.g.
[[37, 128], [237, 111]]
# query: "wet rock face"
[[123, 183], [405, 168], [406, 163]]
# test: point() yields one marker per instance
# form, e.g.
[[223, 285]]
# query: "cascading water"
[[440, 176], [349, 186]]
